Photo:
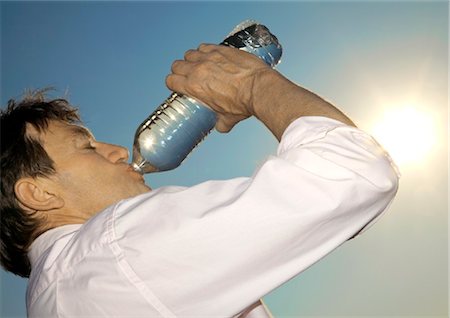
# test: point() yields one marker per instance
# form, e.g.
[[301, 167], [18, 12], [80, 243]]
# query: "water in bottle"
[[180, 123]]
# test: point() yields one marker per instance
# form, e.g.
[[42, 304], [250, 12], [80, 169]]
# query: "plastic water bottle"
[[177, 126]]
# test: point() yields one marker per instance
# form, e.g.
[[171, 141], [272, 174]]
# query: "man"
[[101, 243]]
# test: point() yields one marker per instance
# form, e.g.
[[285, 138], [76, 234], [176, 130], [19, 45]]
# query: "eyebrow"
[[77, 131]]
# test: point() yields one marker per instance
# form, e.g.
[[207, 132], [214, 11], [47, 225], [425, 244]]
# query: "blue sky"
[[369, 58]]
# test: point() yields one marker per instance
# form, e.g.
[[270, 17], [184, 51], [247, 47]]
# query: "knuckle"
[[175, 65], [189, 53], [205, 47], [202, 70], [215, 56], [169, 80], [196, 88]]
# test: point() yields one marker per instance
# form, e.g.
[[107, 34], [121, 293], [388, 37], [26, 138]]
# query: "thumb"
[[226, 122]]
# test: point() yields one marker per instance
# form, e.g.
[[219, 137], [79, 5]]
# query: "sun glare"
[[407, 133]]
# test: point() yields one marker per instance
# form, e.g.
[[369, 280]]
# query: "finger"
[[226, 122], [180, 84], [206, 47], [223, 127], [193, 55], [176, 83], [180, 67], [230, 52]]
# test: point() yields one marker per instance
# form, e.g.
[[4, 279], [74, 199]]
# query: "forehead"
[[79, 131], [59, 131]]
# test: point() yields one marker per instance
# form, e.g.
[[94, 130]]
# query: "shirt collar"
[[47, 239]]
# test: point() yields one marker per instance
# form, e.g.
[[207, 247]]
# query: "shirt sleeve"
[[215, 248]]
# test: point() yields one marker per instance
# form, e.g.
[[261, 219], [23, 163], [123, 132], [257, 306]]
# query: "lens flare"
[[407, 133]]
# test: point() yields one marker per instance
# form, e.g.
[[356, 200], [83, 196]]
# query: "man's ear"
[[35, 195]]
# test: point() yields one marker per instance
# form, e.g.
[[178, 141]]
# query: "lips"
[[135, 173]]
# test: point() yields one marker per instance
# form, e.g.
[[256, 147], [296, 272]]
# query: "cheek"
[[97, 186], [81, 182], [90, 194]]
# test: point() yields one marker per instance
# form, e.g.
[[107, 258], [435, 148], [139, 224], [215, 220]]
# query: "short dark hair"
[[24, 156]]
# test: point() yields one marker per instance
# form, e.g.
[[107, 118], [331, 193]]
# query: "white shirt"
[[214, 249]]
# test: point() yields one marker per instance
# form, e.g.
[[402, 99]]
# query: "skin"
[[237, 85], [91, 175]]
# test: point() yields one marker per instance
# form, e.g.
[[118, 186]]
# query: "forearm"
[[277, 102], [237, 85]]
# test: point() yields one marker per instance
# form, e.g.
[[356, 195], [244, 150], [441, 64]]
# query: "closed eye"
[[89, 145], [82, 138]]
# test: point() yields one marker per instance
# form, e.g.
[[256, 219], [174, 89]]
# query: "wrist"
[[261, 89]]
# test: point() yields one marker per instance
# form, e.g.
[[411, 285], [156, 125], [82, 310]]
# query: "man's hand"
[[237, 84], [220, 77]]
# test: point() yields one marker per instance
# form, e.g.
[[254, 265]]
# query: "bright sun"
[[407, 133]]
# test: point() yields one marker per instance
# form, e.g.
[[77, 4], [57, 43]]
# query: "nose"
[[114, 153]]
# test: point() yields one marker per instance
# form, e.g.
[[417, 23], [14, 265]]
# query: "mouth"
[[136, 174]]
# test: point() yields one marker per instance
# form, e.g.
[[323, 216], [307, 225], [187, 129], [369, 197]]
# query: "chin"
[[146, 188], [140, 189]]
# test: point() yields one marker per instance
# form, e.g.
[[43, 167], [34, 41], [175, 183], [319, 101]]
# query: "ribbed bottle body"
[[165, 138], [180, 123]]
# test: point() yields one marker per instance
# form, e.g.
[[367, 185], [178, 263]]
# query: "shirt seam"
[[56, 299], [129, 273]]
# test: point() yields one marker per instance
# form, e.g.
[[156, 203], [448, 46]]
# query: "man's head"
[[53, 172]]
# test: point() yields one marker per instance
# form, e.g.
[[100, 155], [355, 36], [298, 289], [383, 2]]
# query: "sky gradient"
[[379, 62]]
